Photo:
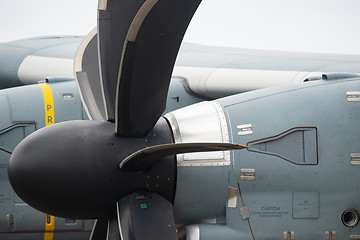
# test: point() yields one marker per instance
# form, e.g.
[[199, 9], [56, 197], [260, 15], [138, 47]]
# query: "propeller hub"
[[72, 169]]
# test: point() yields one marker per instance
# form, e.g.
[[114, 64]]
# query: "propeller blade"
[[99, 231], [86, 68], [149, 54], [145, 158], [114, 19], [145, 215], [114, 230]]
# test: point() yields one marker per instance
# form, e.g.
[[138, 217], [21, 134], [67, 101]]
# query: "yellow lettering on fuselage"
[[49, 104], [49, 120]]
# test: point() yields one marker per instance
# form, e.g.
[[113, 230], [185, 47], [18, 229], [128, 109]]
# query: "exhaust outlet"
[[350, 217]]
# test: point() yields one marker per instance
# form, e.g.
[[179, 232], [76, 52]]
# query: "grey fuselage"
[[23, 111], [304, 190], [299, 178]]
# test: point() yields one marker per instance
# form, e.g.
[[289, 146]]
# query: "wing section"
[[215, 72], [31, 60]]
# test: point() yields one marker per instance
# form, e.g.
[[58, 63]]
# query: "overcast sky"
[[297, 25]]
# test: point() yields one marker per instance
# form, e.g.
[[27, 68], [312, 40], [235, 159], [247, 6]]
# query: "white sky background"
[[296, 25]]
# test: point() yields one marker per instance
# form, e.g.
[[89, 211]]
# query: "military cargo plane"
[[144, 176]]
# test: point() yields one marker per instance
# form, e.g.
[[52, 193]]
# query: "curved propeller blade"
[[144, 159], [100, 229], [149, 54], [114, 19], [145, 215], [86, 68], [113, 232]]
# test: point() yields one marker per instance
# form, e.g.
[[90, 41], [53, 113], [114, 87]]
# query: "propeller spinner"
[[72, 169]]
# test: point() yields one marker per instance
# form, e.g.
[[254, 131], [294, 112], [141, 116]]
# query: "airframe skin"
[[298, 177], [297, 180], [25, 110], [209, 71], [28, 108]]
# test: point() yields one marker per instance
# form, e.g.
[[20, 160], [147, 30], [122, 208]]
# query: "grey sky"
[[297, 25]]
